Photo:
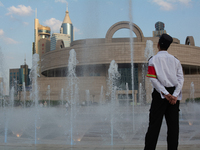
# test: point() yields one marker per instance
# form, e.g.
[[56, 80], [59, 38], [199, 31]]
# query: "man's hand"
[[168, 97], [172, 99]]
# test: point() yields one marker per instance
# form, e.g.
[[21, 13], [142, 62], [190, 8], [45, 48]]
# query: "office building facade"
[[18, 76], [58, 36]]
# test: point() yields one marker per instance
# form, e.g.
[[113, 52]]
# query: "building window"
[[44, 31], [123, 99], [191, 70], [186, 70], [126, 78]]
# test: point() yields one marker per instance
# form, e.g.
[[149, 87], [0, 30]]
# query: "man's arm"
[[180, 79], [172, 100], [154, 80], [159, 87]]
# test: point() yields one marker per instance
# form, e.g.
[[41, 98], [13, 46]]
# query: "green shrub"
[[196, 100]]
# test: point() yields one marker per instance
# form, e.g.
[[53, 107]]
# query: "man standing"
[[166, 75]]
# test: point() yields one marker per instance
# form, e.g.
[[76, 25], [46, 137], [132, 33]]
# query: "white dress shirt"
[[169, 73]]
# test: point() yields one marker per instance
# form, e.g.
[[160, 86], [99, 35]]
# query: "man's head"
[[165, 41]]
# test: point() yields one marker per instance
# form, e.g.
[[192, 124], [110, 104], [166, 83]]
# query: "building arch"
[[189, 41], [124, 24]]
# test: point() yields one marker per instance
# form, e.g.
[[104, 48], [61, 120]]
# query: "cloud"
[[109, 3], [61, 1], [10, 41], [10, 57], [164, 5], [53, 24], [6, 39], [170, 4], [1, 32], [78, 31], [185, 2], [1, 4], [20, 10], [25, 23], [19, 20]]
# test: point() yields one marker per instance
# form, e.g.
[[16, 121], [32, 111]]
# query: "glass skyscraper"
[[66, 33]]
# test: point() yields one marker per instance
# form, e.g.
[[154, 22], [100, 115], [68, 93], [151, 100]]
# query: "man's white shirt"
[[169, 73]]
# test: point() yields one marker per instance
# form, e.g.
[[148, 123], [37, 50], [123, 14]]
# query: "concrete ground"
[[67, 147]]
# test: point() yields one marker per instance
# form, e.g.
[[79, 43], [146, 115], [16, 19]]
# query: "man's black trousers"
[[159, 108]]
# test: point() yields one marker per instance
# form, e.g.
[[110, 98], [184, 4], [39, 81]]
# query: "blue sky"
[[91, 19]]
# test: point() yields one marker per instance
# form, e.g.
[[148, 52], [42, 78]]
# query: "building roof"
[[67, 18]]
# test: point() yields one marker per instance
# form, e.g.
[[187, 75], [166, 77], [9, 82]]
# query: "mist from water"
[[72, 85], [34, 73], [24, 94]]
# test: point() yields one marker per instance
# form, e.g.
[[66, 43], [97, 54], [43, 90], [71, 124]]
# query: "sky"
[[91, 19]]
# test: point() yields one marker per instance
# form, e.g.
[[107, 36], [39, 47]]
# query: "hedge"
[[30, 102], [197, 100]]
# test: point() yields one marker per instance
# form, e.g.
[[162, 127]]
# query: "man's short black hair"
[[165, 41]]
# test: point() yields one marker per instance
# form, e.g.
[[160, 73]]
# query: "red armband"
[[151, 72]]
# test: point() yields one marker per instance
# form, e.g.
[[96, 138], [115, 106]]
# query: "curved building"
[[94, 57]]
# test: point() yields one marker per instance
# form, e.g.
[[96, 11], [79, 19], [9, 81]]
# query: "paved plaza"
[[64, 147], [91, 131]]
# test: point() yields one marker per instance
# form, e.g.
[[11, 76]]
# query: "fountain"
[[112, 84], [33, 76], [192, 91], [108, 123], [140, 94], [48, 94], [72, 62], [87, 97], [101, 96], [149, 51], [62, 96], [5, 121], [132, 56], [192, 108], [24, 94], [1, 92]]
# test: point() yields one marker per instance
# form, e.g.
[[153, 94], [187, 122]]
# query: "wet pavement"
[[91, 131], [65, 147]]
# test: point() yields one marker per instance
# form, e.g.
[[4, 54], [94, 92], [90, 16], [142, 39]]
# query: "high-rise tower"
[[159, 29], [41, 42], [67, 27], [66, 33], [40, 32]]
